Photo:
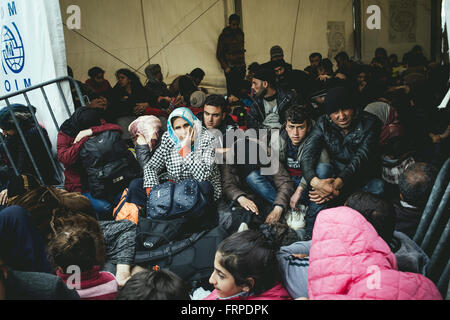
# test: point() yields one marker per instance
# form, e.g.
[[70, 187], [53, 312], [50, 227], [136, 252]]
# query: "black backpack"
[[192, 259], [109, 164]]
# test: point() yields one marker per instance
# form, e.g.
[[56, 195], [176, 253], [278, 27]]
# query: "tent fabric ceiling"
[[421, 28], [182, 35]]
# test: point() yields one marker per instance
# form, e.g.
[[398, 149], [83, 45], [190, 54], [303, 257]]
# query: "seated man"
[[314, 59], [216, 117], [269, 103], [415, 186], [292, 143], [351, 138], [291, 80], [265, 197]]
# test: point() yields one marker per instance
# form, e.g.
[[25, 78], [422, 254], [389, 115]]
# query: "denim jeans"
[[25, 249], [103, 208], [323, 171], [263, 186]]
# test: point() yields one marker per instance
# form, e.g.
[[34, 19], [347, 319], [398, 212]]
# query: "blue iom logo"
[[11, 49]]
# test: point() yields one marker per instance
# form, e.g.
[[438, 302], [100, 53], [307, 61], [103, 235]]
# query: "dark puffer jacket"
[[354, 156], [109, 164], [230, 48], [257, 113]]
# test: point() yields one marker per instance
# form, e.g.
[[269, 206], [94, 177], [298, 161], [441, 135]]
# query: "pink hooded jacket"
[[349, 260], [276, 293]]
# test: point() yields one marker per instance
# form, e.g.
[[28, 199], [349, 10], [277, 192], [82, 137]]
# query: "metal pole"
[[44, 140]]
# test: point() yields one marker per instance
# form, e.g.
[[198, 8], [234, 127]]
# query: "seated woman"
[[16, 147], [75, 131], [156, 86], [129, 99], [187, 151], [246, 267], [97, 81]]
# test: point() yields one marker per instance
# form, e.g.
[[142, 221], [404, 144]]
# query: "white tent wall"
[[419, 27], [181, 35], [268, 23]]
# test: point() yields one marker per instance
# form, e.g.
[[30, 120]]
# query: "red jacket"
[[94, 284], [68, 155]]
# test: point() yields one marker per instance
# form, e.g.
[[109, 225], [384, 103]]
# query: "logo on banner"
[[12, 50]]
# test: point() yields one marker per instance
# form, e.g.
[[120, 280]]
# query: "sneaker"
[[243, 227]]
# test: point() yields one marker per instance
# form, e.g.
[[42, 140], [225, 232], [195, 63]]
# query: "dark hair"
[[69, 72], [197, 73], [379, 212], [216, 100], [234, 17], [254, 66], [327, 65], [416, 183], [135, 81], [73, 246], [252, 254], [381, 51], [93, 72], [154, 285], [66, 220], [297, 115], [342, 55], [186, 87], [266, 75], [315, 54]]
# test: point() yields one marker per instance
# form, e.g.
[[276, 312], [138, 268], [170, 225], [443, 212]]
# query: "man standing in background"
[[231, 54]]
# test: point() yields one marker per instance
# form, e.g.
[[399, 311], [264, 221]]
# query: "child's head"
[[246, 261], [73, 246], [154, 285], [67, 219]]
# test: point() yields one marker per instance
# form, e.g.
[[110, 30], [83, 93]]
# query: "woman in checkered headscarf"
[[187, 151]]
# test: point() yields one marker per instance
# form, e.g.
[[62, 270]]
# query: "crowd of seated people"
[[356, 148]]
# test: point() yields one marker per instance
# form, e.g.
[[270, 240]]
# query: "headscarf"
[[146, 126], [22, 113], [192, 120], [83, 118], [379, 109], [198, 99]]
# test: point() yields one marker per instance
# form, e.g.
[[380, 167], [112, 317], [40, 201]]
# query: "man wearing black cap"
[[276, 53], [351, 138], [269, 103]]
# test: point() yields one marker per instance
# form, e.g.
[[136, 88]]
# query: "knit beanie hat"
[[276, 51], [338, 98], [266, 75]]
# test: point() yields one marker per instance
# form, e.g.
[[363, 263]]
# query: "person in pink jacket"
[[246, 268], [349, 260]]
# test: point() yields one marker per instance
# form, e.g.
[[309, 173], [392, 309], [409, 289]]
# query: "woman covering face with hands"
[[187, 151]]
